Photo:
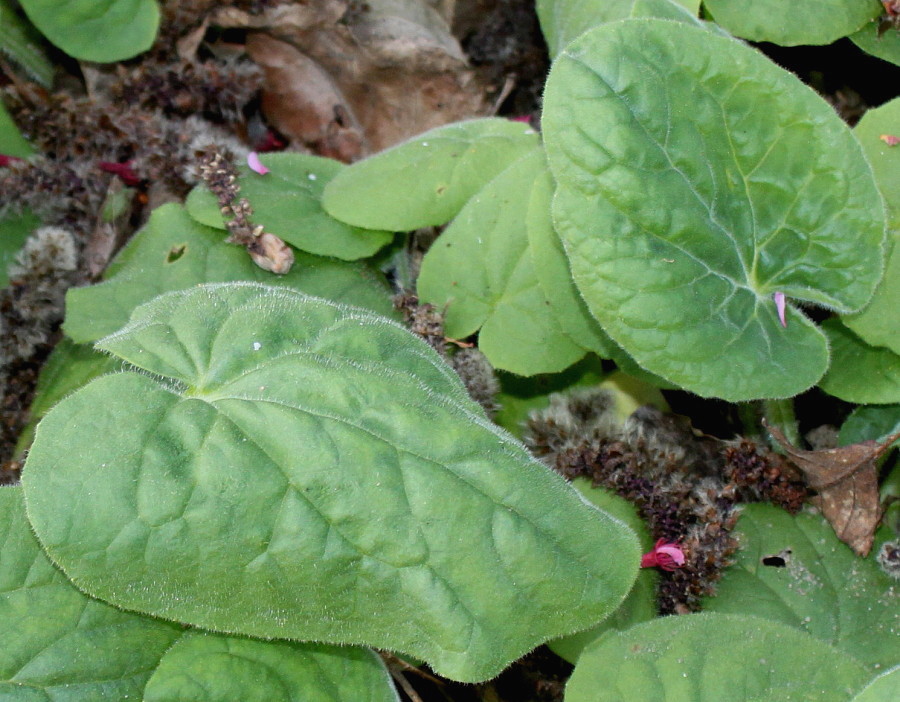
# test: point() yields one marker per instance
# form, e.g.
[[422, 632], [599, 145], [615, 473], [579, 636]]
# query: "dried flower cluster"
[[685, 486]]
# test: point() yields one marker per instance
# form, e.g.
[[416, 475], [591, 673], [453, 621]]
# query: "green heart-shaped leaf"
[[211, 668], [884, 688], [425, 181], [287, 201], [859, 372], [286, 467], [793, 569], [886, 46], [871, 423], [59, 644], [173, 251], [695, 179], [96, 30], [721, 657], [795, 22], [482, 272]]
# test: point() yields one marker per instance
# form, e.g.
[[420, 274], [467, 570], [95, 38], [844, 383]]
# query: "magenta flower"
[[255, 164], [123, 170], [6, 160], [779, 305], [665, 555]]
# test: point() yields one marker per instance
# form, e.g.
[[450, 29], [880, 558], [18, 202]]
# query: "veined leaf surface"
[[287, 467], [695, 179]]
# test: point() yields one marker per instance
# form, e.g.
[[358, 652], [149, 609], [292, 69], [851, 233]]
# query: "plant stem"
[[780, 413]]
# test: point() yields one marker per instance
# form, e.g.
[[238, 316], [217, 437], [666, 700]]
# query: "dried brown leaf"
[[846, 479]]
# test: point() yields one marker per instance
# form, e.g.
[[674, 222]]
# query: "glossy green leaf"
[[59, 644], [211, 668], [795, 22], [822, 588], [22, 44], [879, 322], [287, 201], [426, 181], [563, 20], [695, 179], [860, 372], [481, 271], [884, 688], [870, 423], [640, 605], [721, 657], [14, 231], [12, 143], [173, 252], [886, 46], [96, 30], [282, 466]]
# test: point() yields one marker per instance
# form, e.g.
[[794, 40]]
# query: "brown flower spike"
[[846, 479]]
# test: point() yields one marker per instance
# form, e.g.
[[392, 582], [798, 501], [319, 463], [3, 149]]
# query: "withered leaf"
[[846, 479]]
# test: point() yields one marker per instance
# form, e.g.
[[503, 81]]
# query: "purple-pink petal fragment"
[[779, 305], [255, 164]]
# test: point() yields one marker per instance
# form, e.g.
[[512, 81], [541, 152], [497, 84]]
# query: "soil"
[[133, 114]]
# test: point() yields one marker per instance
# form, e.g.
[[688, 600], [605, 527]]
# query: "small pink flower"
[[6, 160], [779, 305], [665, 555], [890, 139], [123, 170], [255, 164]]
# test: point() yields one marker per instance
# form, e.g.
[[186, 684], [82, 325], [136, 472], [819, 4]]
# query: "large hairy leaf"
[[287, 201], [282, 466], [59, 644], [96, 30], [173, 251], [214, 668], [883, 688], [694, 180], [425, 181], [482, 272], [793, 569], [795, 22], [721, 657]]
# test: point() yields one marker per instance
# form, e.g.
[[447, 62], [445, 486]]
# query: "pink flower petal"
[[6, 160], [667, 556], [779, 305], [890, 139], [255, 164], [123, 170]]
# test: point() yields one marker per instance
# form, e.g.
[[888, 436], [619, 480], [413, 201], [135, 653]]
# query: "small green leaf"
[[721, 657], [870, 423], [794, 570], [12, 143], [14, 231], [885, 47], [282, 466], [21, 43], [795, 22], [860, 372], [879, 322], [211, 668], [640, 605], [884, 688], [695, 178], [173, 251], [481, 271], [59, 644], [287, 201], [563, 20], [426, 181], [96, 30]]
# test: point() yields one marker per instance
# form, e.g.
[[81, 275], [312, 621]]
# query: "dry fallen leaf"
[[349, 79], [846, 479]]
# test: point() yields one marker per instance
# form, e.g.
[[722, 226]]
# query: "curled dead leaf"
[[270, 253], [846, 479]]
